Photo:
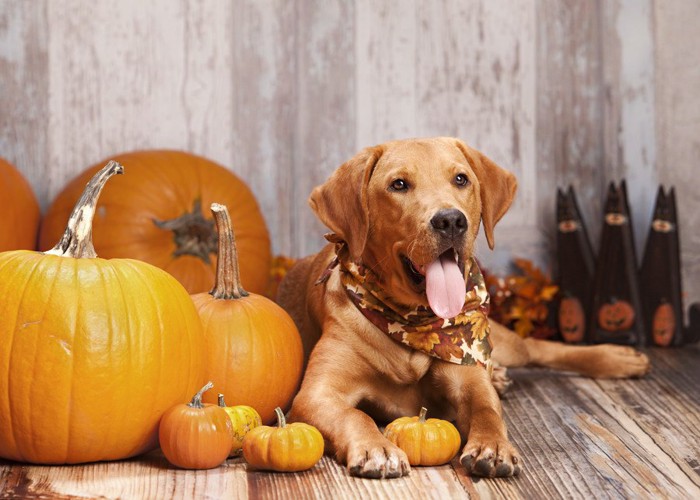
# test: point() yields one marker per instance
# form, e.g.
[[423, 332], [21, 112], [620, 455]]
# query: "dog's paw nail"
[[504, 469], [484, 467], [467, 460]]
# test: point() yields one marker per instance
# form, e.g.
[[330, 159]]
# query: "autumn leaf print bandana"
[[461, 340]]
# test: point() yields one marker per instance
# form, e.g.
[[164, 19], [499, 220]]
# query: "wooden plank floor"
[[579, 439]]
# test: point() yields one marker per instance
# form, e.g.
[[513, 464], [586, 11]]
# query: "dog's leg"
[[327, 400], [488, 451], [597, 361], [352, 434]]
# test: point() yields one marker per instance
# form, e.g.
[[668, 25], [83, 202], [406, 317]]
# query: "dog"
[[386, 324]]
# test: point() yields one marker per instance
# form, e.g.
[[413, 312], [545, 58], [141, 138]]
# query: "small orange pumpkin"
[[155, 215], [243, 420], [426, 442], [253, 349], [196, 435], [285, 448], [663, 325], [616, 315], [572, 320], [20, 211]]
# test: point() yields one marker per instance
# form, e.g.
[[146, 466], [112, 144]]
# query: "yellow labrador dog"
[[395, 308]]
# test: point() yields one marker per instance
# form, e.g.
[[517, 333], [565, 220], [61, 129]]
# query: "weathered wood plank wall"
[[282, 92]]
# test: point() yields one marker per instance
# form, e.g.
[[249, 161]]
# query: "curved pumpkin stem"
[[77, 239], [228, 276], [422, 414], [281, 421], [197, 398]]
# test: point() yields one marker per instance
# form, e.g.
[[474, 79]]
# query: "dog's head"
[[410, 211]]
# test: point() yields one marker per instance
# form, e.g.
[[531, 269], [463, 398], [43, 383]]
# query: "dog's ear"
[[496, 188], [341, 202]]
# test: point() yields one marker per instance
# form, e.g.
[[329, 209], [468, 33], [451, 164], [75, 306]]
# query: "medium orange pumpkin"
[[253, 349], [92, 351], [20, 210], [155, 214], [196, 435]]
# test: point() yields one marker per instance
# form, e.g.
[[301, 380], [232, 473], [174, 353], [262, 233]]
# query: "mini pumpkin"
[[425, 442], [285, 448], [243, 420], [253, 350], [572, 320], [616, 315], [196, 435], [20, 210], [92, 351]]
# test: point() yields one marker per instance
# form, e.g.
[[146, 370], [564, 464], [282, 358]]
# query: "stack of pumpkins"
[[97, 353]]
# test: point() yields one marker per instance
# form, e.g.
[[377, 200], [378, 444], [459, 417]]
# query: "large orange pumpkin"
[[20, 210], [92, 351], [253, 350], [155, 214]]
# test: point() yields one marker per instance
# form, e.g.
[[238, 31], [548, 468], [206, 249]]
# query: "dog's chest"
[[399, 364]]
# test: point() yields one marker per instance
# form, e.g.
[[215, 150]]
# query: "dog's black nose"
[[449, 222]]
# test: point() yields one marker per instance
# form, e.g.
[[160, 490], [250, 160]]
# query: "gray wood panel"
[[678, 124], [24, 91], [283, 92]]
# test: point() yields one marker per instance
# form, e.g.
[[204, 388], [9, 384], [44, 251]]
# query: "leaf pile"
[[521, 301]]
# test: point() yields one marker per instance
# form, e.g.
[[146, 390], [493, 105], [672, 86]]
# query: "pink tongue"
[[445, 287]]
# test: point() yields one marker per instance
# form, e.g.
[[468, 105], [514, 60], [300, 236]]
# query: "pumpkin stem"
[[77, 239], [221, 401], [192, 233], [228, 276], [281, 421], [197, 398], [422, 414]]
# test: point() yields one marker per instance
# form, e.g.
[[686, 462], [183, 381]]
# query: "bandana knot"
[[463, 339]]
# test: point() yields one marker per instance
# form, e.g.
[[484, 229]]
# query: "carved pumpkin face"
[[616, 315], [663, 325], [572, 322]]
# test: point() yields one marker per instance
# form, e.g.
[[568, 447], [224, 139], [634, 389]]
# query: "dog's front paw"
[[496, 458], [377, 460]]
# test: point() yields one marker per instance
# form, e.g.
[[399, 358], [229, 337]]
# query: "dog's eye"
[[461, 180], [399, 185]]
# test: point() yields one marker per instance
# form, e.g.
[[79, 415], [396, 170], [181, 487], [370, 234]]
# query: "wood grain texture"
[[263, 42], [325, 120], [283, 92], [678, 124], [24, 91], [569, 110], [629, 146], [579, 438]]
